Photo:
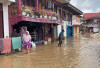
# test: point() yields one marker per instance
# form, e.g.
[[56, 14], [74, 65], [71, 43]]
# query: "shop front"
[[38, 31], [35, 29]]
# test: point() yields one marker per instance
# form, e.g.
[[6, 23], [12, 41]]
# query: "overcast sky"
[[87, 6]]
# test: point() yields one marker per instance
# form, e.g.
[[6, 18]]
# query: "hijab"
[[26, 37]]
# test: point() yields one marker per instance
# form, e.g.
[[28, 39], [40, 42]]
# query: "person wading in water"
[[61, 38], [27, 41]]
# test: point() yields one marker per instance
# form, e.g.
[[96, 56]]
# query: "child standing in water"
[[27, 41], [61, 38]]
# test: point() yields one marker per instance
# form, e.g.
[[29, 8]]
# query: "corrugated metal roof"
[[91, 15]]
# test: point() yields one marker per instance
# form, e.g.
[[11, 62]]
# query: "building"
[[92, 22], [4, 20], [76, 22], [71, 18], [39, 17]]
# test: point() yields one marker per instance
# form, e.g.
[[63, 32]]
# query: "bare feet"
[[27, 51]]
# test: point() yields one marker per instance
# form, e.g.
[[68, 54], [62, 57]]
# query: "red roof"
[[91, 15]]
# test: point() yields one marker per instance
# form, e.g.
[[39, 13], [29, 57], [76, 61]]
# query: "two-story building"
[[71, 18], [39, 17], [92, 22], [4, 21], [76, 22]]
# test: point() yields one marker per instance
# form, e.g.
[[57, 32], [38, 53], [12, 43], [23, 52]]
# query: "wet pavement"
[[82, 51]]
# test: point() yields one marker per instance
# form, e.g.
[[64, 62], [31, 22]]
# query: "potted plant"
[[32, 14], [23, 10], [27, 10], [54, 16], [48, 14], [37, 14], [41, 16], [45, 15]]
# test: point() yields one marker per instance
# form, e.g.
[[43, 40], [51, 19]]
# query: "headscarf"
[[26, 38]]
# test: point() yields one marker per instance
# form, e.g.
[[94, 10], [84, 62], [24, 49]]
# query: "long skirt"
[[27, 45]]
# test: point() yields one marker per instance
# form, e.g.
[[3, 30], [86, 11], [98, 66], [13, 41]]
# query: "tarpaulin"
[[16, 43]]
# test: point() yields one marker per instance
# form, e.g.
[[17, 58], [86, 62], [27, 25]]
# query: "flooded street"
[[79, 52]]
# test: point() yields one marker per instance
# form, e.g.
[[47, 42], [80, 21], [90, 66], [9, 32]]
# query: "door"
[[75, 30], [70, 31], [1, 21]]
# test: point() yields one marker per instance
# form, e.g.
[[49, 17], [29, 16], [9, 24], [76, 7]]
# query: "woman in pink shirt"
[[27, 41]]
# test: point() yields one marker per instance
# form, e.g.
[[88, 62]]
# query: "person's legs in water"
[[60, 43], [27, 51]]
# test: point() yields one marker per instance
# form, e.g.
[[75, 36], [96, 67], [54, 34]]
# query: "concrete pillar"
[[37, 5], [19, 7], [5, 20]]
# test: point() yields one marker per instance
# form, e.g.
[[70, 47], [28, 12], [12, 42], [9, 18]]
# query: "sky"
[[87, 6]]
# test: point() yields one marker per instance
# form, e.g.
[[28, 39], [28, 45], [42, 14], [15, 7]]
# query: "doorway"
[[70, 31]]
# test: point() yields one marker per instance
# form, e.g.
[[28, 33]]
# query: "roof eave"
[[73, 8]]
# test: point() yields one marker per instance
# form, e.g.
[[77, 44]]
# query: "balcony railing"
[[46, 14]]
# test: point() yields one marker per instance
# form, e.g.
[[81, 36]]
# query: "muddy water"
[[78, 52]]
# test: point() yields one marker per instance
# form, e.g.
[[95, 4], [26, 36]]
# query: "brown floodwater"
[[82, 51]]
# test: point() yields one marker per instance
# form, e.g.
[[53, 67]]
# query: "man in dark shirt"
[[61, 37], [14, 34]]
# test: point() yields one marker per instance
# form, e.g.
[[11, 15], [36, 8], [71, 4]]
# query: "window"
[[63, 15], [55, 8], [28, 2], [14, 8]]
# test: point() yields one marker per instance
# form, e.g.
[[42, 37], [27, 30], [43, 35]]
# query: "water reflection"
[[79, 52]]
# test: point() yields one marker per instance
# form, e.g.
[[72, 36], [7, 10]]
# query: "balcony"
[[75, 22], [29, 13], [63, 1]]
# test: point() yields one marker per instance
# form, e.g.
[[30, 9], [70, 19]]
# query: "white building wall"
[[5, 20], [95, 29], [65, 26], [76, 20]]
